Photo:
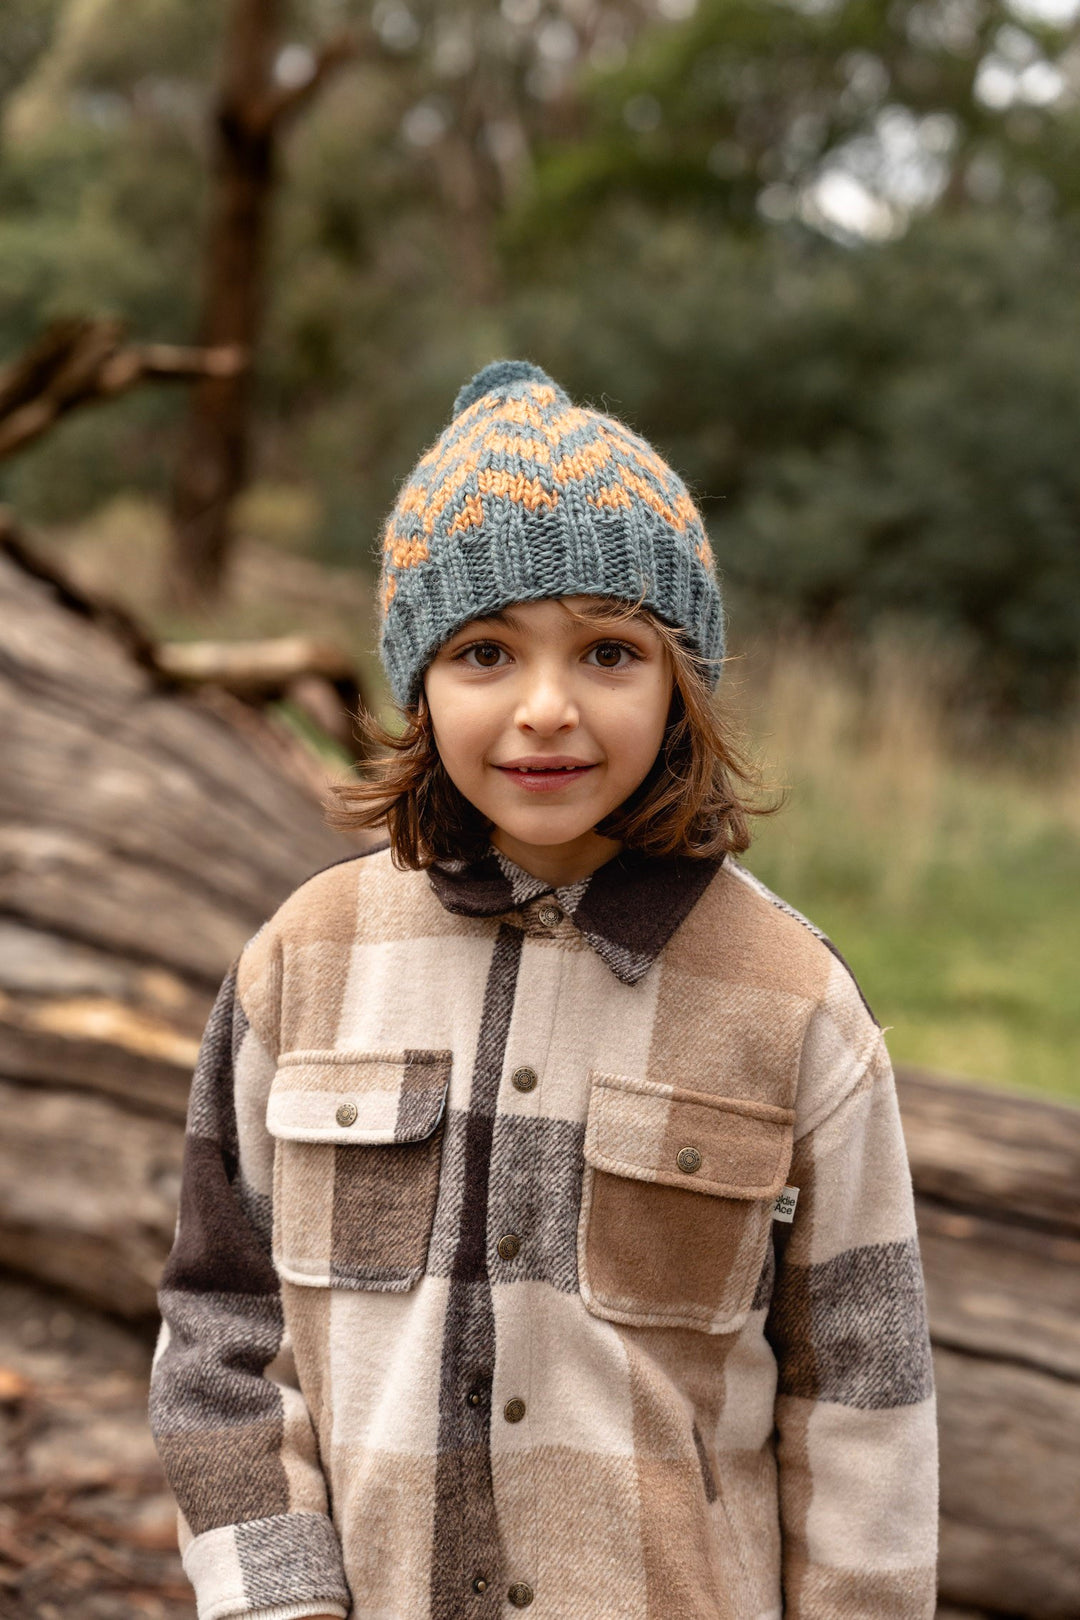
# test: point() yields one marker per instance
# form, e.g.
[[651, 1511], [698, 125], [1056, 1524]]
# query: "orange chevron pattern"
[[465, 456]]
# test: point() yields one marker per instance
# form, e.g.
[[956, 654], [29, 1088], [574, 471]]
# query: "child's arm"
[[855, 1405], [230, 1423]]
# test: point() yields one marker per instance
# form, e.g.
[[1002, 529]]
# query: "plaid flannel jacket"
[[478, 1298]]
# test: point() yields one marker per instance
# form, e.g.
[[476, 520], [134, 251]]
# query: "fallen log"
[[145, 833], [997, 1200], [96, 1213], [976, 1147]]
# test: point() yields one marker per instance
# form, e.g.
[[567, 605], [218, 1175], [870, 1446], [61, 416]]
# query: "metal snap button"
[[520, 1595], [524, 1079], [549, 916], [346, 1113], [514, 1410], [688, 1159], [480, 1583], [474, 1397], [509, 1246]]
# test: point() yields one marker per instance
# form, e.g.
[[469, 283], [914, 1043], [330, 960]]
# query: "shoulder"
[[326, 907], [777, 977], [798, 941], [329, 896], [740, 931]]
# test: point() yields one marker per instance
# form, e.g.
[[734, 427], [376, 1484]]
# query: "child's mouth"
[[540, 780]]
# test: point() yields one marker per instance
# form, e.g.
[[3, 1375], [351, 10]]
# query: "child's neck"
[[558, 864]]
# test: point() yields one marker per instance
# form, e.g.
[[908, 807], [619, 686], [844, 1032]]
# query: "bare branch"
[[77, 362], [255, 670], [285, 102]]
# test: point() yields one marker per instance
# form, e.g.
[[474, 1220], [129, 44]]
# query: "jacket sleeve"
[[856, 1420], [230, 1423]]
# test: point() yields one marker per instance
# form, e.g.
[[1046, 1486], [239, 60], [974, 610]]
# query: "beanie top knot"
[[502, 375]]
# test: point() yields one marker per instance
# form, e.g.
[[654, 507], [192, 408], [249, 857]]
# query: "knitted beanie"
[[525, 495]]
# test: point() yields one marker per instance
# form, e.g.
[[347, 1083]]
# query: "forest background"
[[823, 254]]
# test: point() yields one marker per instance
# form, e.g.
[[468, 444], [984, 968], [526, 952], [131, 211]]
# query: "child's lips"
[[541, 781]]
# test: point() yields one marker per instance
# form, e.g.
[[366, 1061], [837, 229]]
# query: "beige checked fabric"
[[478, 1300]]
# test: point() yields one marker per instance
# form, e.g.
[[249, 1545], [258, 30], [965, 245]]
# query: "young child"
[[547, 1236]]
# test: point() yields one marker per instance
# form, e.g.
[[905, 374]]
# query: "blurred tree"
[[28, 27], [754, 111], [262, 87]]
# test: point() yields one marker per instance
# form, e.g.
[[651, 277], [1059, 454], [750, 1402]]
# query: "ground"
[[87, 1526]]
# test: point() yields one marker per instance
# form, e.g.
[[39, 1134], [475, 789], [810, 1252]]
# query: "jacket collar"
[[627, 909]]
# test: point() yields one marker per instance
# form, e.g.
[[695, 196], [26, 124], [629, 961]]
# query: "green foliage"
[[756, 95], [881, 432]]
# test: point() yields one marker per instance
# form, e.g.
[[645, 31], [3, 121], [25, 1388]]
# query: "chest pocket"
[[358, 1143], [677, 1200]]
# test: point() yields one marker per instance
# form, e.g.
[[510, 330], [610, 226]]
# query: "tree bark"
[[997, 1200], [213, 458], [145, 833]]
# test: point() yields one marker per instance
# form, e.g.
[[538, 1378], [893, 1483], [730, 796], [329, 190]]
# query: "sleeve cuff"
[[279, 1568], [297, 1611]]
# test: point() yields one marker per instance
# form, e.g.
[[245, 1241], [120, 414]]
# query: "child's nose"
[[547, 703]]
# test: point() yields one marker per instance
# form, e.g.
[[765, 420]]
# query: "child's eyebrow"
[[501, 616]]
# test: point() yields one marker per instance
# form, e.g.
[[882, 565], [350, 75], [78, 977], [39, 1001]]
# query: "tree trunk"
[[214, 455], [250, 116]]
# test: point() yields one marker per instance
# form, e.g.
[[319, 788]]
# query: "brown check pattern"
[[477, 1301]]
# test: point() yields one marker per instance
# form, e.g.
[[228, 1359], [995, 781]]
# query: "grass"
[[950, 881]]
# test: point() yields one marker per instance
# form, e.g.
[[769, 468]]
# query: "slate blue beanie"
[[525, 495]]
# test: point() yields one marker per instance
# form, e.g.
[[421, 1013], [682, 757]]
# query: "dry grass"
[[949, 876]]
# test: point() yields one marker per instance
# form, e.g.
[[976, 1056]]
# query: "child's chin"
[[546, 827]]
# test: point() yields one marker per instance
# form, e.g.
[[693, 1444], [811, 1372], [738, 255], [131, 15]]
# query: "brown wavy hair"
[[697, 798]]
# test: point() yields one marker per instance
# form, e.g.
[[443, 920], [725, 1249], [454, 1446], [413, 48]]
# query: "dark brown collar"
[[627, 909]]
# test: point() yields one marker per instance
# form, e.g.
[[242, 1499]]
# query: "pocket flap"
[[689, 1139], [331, 1096]]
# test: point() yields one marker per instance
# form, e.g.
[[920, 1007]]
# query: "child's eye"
[[482, 649], [604, 648]]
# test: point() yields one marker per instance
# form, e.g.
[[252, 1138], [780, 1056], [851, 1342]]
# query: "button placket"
[[513, 1235], [525, 1079]]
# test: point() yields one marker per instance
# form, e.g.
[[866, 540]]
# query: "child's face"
[[532, 685]]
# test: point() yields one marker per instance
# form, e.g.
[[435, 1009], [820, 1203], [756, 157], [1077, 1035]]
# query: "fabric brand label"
[[784, 1208]]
